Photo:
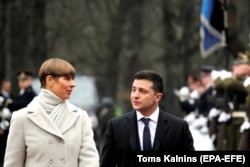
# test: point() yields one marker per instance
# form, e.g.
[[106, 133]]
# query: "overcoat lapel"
[[68, 118], [42, 120], [39, 117], [161, 130], [132, 131]]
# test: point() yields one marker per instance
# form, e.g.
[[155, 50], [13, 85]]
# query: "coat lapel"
[[132, 130], [68, 118], [161, 130], [42, 120], [39, 117]]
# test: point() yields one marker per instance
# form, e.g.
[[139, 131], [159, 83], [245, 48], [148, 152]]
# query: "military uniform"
[[26, 94], [234, 96], [205, 103]]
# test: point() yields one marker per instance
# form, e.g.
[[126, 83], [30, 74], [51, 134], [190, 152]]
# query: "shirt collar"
[[6, 94], [153, 117]]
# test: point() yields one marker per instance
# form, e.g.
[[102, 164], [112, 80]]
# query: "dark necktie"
[[146, 135]]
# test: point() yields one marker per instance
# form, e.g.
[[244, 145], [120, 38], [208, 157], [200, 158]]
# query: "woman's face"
[[61, 86]]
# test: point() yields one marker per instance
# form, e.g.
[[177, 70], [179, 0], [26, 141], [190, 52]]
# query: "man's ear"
[[158, 96]]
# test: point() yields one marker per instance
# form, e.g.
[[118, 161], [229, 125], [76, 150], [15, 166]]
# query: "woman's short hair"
[[55, 67]]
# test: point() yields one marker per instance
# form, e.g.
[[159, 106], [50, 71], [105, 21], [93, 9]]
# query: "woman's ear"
[[49, 81]]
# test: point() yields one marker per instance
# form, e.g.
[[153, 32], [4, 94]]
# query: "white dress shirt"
[[152, 125]]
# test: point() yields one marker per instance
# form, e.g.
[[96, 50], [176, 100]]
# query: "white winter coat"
[[35, 141]]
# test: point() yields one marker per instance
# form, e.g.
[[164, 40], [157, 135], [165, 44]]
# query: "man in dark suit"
[[26, 93], [125, 134]]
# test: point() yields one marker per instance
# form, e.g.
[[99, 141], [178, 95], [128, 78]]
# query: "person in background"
[[232, 105], [205, 103], [51, 131], [195, 87], [6, 91], [26, 93], [188, 97], [197, 122], [5, 98], [105, 111], [200, 125], [146, 128]]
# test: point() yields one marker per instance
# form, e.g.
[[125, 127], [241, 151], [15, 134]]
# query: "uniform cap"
[[24, 74], [242, 58], [207, 68]]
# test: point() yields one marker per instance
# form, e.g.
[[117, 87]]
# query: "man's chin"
[[136, 108]]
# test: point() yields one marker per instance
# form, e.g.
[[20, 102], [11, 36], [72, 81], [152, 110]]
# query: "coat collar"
[[39, 117]]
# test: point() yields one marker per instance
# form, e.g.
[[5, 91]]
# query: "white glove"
[[245, 125], [6, 113], [190, 117], [182, 94], [224, 117], [215, 74], [247, 82], [225, 74], [194, 94], [214, 112], [199, 122]]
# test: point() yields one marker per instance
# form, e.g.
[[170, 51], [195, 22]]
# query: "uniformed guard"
[[217, 102], [231, 99], [26, 93], [244, 142], [205, 103]]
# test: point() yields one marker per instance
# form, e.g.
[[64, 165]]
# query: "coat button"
[[61, 141], [51, 161], [50, 141], [62, 159]]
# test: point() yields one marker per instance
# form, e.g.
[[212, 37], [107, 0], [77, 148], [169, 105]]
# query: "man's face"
[[7, 86], [24, 83], [241, 70], [143, 97], [205, 78]]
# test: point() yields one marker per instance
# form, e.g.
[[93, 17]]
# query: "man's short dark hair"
[[152, 76]]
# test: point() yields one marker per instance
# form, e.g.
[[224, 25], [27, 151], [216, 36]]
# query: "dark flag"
[[212, 26]]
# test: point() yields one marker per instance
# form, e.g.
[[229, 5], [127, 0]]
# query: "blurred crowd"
[[216, 104]]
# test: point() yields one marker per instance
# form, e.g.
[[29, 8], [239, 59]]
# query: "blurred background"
[[112, 39]]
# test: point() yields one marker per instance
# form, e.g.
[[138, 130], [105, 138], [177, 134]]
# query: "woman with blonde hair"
[[51, 131]]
